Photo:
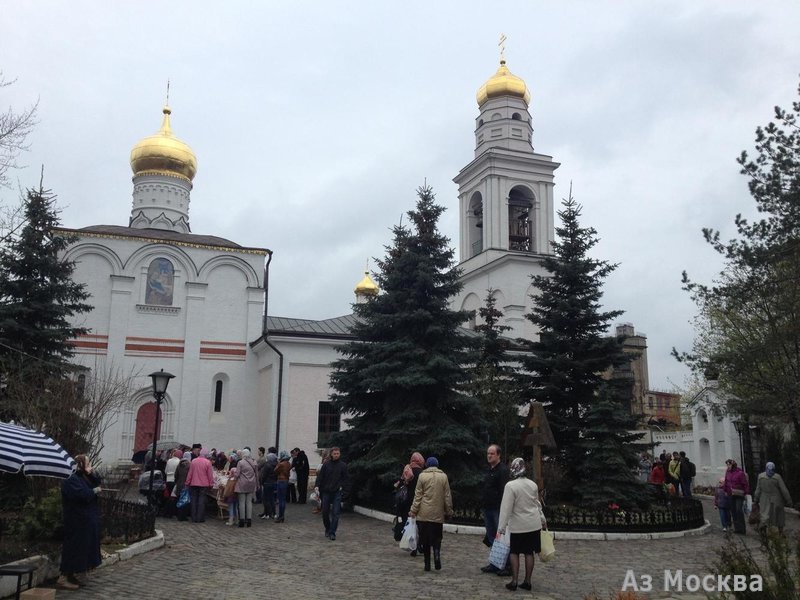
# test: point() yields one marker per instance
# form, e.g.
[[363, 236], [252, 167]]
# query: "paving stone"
[[294, 560]]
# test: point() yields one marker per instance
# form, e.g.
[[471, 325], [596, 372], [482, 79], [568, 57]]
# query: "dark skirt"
[[526, 543], [430, 533]]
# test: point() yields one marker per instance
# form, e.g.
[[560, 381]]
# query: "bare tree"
[[15, 127], [77, 410]]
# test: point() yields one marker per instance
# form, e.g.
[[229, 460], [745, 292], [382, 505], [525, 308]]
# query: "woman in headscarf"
[[180, 482], [432, 505], [246, 484], [772, 496], [81, 550], [521, 512], [282, 470]]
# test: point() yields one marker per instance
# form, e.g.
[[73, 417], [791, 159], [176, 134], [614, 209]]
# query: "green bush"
[[780, 574], [42, 519]]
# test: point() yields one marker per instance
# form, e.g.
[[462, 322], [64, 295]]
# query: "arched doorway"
[[145, 422]]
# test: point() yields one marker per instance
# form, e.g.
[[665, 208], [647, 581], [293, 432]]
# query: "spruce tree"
[[608, 472], [38, 296], [564, 369], [401, 381], [494, 382]]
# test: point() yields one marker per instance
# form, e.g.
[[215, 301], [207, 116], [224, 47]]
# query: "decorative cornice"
[[107, 236], [164, 174], [161, 310]]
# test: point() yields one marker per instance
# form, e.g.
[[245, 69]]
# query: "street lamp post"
[[740, 427], [160, 383]]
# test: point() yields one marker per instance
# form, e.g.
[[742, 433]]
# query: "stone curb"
[[47, 569], [152, 543], [559, 535]]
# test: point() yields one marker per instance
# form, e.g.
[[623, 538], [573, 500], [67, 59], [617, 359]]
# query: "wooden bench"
[[19, 571]]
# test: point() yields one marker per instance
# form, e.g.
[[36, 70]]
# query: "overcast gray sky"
[[314, 122]]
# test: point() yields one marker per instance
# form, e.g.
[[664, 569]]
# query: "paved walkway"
[[295, 560]]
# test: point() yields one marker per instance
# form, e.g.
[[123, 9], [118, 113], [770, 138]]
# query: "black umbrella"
[[138, 457]]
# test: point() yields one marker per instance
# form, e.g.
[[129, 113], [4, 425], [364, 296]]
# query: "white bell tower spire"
[[505, 202]]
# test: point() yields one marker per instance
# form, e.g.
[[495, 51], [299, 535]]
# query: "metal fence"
[[674, 514], [126, 522]]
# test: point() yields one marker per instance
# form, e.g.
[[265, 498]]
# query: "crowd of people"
[[674, 472], [178, 481], [510, 500]]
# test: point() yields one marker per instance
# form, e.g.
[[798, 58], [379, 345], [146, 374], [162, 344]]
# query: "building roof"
[[337, 327], [160, 235]]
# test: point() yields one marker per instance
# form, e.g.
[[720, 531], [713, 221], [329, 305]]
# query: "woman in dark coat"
[[81, 551], [180, 482]]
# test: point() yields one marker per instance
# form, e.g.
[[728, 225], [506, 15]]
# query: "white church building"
[[193, 305]]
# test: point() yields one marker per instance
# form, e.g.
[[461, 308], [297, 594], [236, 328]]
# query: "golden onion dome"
[[366, 286], [503, 83], [164, 154]]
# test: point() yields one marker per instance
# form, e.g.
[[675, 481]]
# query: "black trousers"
[[302, 489]]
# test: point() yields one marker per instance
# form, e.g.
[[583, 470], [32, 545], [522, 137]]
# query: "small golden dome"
[[503, 83], [163, 153], [366, 286]]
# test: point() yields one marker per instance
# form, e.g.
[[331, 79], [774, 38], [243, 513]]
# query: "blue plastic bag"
[[183, 499]]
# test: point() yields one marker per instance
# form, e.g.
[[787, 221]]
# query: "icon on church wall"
[[160, 278]]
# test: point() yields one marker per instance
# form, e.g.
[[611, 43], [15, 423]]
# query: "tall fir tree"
[[494, 382], [565, 368], [401, 382], [38, 296]]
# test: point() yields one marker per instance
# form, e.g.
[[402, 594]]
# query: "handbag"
[[230, 488], [755, 515], [183, 500], [410, 537], [397, 529], [548, 551], [501, 548]]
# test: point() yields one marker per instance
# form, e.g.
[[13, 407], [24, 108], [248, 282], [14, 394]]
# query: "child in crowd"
[[722, 503]]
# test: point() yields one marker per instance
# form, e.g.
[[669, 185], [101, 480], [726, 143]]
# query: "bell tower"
[[505, 204]]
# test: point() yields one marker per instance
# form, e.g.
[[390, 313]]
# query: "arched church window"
[[160, 280], [475, 218], [218, 396], [480, 123], [520, 219], [516, 117]]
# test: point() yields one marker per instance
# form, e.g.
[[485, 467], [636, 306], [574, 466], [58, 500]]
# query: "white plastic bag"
[[501, 548], [410, 537], [748, 504]]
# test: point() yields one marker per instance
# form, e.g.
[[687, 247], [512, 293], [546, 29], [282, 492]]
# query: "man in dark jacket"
[[300, 464], [494, 482], [687, 471], [332, 479]]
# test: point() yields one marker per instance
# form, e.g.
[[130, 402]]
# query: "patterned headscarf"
[[517, 468], [417, 460], [770, 469]]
